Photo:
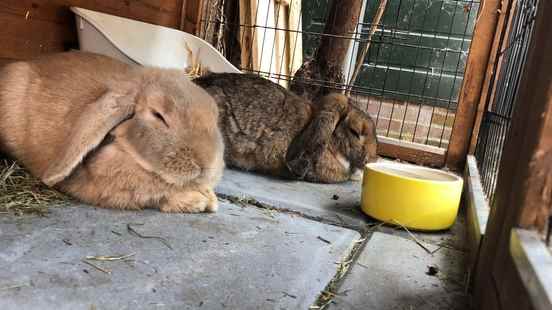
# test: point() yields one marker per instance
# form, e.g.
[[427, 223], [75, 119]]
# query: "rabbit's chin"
[[356, 175]]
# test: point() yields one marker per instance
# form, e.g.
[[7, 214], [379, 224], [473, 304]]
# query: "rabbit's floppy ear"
[[90, 129], [312, 141]]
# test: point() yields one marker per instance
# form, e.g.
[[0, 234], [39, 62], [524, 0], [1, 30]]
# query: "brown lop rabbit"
[[112, 134], [269, 129]]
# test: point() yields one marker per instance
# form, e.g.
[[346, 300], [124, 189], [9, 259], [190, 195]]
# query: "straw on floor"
[[21, 193]]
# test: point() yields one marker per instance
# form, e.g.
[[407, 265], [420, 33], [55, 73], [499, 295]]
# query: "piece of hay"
[[109, 257], [21, 193], [14, 286], [195, 69], [418, 242], [136, 233]]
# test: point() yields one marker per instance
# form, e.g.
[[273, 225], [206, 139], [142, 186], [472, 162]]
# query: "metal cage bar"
[[495, 125]]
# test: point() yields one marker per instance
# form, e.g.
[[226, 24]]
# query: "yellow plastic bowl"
[[415, 197]]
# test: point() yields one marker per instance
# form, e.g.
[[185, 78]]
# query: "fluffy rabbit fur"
[[112, 134], [271, 130]]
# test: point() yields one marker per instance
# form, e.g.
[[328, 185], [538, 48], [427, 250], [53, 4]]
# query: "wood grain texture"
[[191, 16], [511, 292], [493, 68], [405, 151], [248, 35], [161, 12], [342, 20], [524, 187], [472, 85], [29, 28], [295, 37]]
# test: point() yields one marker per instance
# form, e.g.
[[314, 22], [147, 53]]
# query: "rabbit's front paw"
[[191, 202], [212, 205]]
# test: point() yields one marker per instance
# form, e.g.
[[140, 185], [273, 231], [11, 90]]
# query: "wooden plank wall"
[[524, 190], [29, 28], [191, 16]]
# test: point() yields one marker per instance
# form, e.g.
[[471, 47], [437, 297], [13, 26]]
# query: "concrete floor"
[[273, 244]]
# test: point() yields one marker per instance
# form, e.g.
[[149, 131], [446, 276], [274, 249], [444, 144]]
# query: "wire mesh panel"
[[496, 120], [412, 74], [410, 78]]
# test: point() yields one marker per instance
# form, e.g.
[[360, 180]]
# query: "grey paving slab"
[[238, 258], [391, 274], [338, 203], [453, 238]]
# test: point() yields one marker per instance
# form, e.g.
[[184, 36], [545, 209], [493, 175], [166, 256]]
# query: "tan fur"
[[271, 130], [88, 125]]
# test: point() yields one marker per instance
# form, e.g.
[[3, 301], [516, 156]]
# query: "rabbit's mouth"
[[354, 172]]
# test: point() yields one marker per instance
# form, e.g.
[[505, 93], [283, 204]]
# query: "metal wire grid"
[[411, 77], [496, 120], [432, 71]]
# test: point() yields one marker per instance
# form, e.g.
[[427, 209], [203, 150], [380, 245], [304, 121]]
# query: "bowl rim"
[[453, 178]]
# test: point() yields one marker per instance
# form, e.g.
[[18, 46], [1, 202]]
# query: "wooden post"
[[295, 38], [341, 23], [279, 59], [494, 88], [191, 16], [493, 67], [472, 86], [210, 22], [537, 103], [232, 33], [248, 18], [330, 56], [524, 190]]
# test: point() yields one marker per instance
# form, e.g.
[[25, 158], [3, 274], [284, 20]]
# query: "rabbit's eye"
[[356, 134], [160, 117]]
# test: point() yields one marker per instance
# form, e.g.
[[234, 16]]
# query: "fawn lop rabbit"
[[112, 134]]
